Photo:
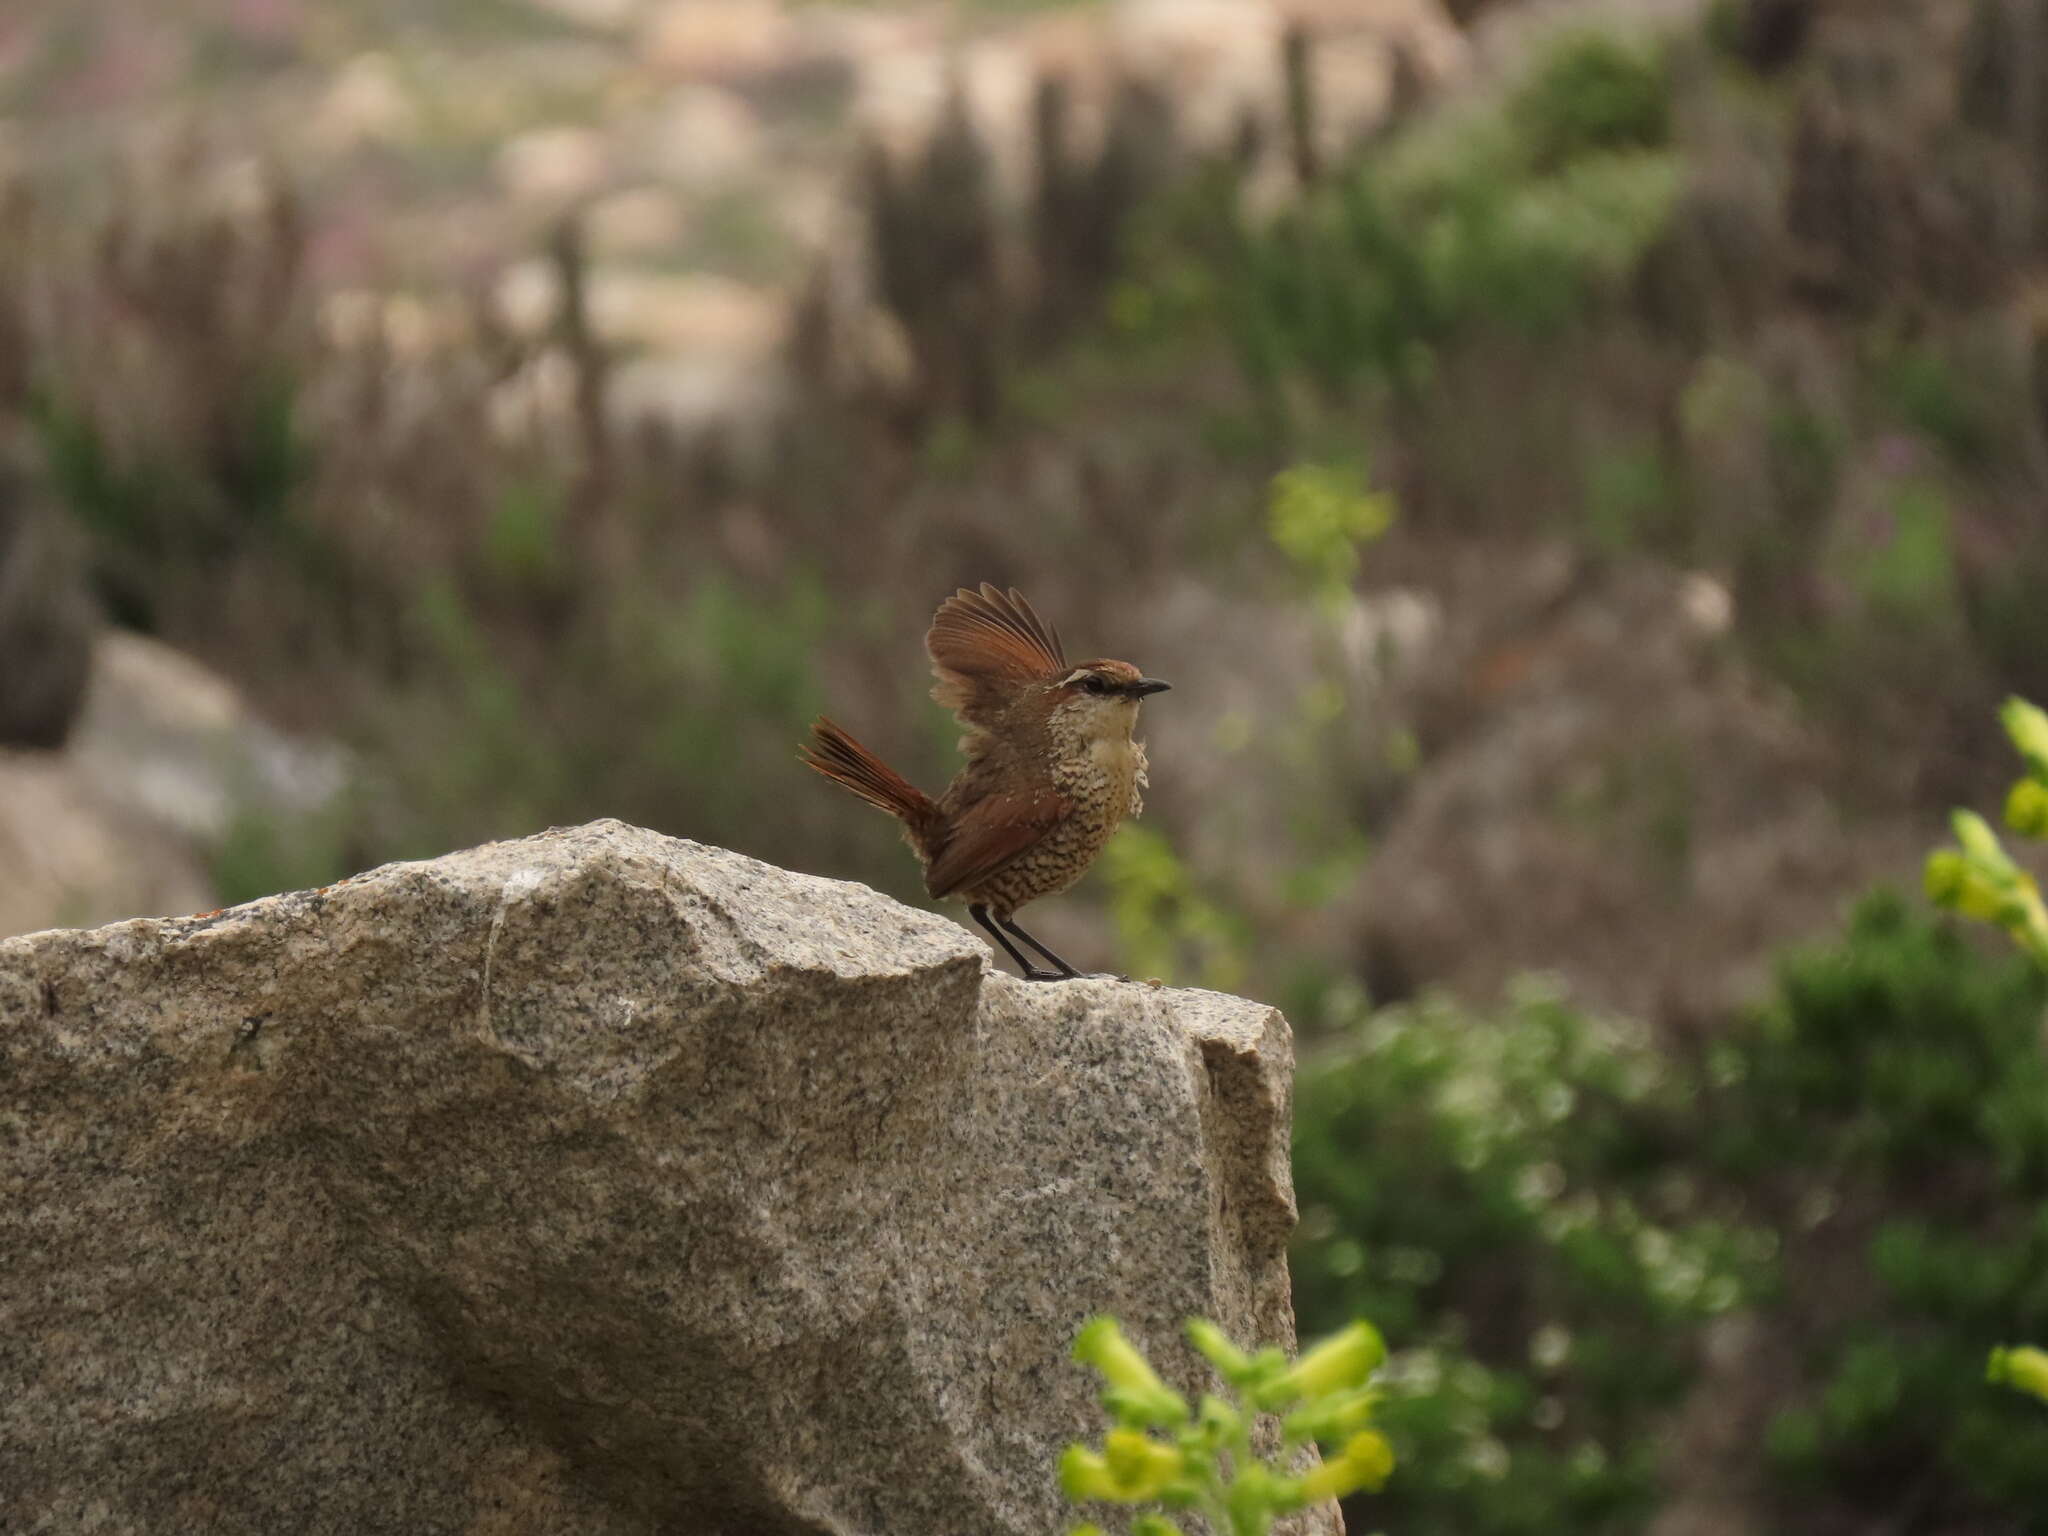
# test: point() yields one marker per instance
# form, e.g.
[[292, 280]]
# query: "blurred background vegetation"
[[1582, 467]]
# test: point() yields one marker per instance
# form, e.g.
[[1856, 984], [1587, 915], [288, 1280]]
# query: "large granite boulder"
[[598, 1183]]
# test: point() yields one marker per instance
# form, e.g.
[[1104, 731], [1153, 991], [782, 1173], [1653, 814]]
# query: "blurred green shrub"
[[1936, 396], [1513, 218], [153, 514], [165, 386], [1549, 1206], [262, 853], [1507, 1190], [1166, 924], [1320, 516], [1980, 880], [639, 702], [1890, 1105], [1627, 489], [1899, 1045], [1594, 91], [524, 550], [1908, 576]]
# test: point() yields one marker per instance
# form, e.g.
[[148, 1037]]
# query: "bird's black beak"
[[1145, 685]]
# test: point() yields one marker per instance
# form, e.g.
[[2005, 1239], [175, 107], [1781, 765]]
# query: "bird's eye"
[[1095, 685]]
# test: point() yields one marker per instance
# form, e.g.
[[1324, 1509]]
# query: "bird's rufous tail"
[[846, 762]]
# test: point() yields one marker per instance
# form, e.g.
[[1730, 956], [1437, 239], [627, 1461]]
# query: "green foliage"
[[107, 499], [1980, 880], [712, 689], [1899, 1045], [949, 448], [1320, 516], [1211, 1458], [1164, 921], [1892, 1101], [472, 773], [154, 509], [1910, 574], [1977, 877], [1627, 489], [262, 853], [523, 540], [1595, 229], [1549, 1206], [1513, 220], [1593, 92], [1942, 401], [242, 479], [1364, 289], [1506, 1190]]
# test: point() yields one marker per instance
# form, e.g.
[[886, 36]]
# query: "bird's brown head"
[[1100, 698], [993, 653]]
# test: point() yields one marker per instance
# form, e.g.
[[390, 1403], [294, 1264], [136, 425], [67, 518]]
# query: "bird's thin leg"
[[1066, 971], [1031, 972]]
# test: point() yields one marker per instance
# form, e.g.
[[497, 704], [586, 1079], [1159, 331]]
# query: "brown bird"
[[1051, 765]]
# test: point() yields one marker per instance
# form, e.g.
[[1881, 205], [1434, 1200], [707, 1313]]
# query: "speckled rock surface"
[[597, 1182]]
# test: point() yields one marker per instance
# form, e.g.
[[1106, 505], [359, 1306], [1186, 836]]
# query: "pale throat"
[[1098, 752], [1117, 756]]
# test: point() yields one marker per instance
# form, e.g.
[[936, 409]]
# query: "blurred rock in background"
[[162, 764], [46, 619]]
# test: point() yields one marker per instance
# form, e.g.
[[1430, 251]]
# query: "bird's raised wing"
[[990, 833], [983, 644]]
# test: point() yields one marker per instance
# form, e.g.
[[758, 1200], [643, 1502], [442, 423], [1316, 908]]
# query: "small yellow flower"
[[1978, 840], [1101, 1343], [2022, 1367], [1231, 1362], [1255, 1492], [1085, 1475], [1341, 1362], [1944, 876], [1957, 881], [1365, 1462], [1141, 1465], [1980, 899], [2027, 725], [1130, 1469], [2026, 808], [1334, 1418]]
